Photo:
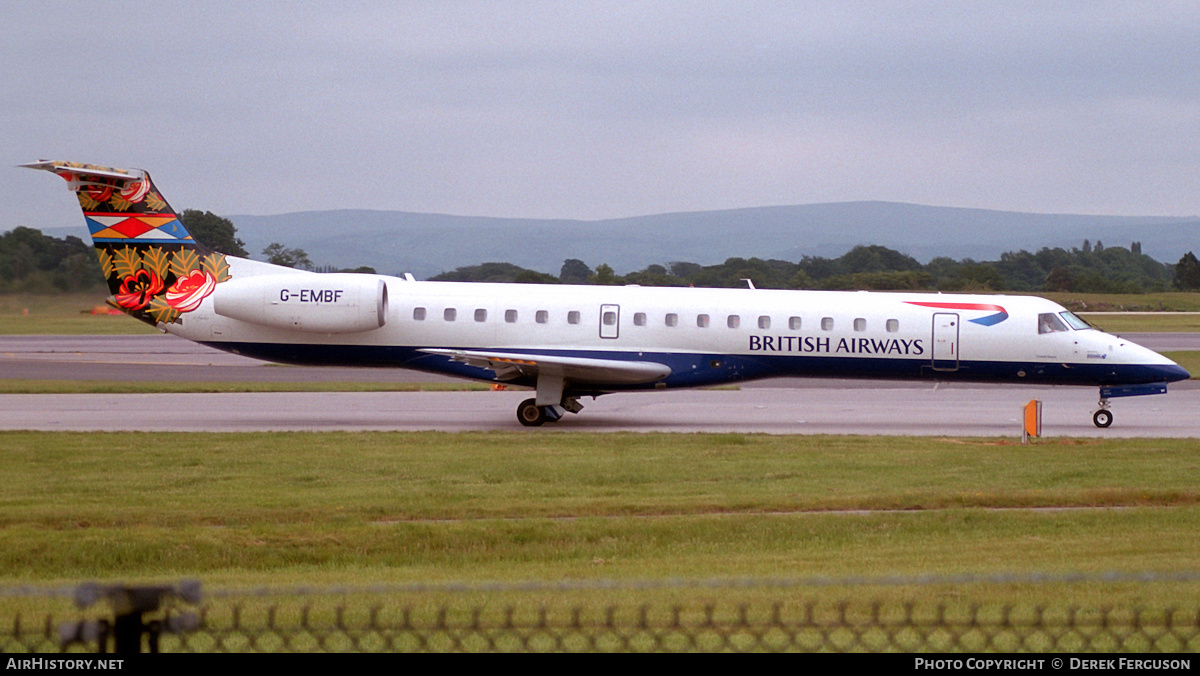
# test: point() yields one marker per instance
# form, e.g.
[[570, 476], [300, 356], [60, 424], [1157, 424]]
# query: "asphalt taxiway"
[[813, 407], [779, 406]]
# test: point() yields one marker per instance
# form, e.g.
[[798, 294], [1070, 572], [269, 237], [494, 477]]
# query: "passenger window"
[[449, 314], [639, 319], [827, 323], [573, 317], [541, 317], [733, 321], [893, 325], [672, 319], [419, 314], [480, 315], [860, 324], [764, 322], [1048, 322], [510, 316], [702, 321], [794, 323]]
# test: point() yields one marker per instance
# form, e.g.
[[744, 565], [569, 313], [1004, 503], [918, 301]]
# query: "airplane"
[[567, 342]]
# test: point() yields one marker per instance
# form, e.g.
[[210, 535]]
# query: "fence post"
[[129, 605]]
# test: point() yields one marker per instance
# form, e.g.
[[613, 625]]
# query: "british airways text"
[[813, 344]]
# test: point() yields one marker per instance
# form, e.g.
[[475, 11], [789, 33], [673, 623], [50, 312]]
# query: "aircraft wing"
[[577, 370]]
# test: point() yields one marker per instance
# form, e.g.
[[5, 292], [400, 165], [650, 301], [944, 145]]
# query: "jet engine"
[[316, 303]]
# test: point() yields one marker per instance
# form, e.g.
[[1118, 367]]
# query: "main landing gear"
[[552, 400], [532, 415]]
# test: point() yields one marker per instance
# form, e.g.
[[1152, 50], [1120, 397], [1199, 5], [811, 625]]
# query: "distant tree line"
[[214, 232], [1089, 269], [33, 262]]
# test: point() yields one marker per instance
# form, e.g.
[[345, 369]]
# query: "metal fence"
[[520, 618]]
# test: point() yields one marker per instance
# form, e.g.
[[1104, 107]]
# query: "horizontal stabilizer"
[[80, 175]]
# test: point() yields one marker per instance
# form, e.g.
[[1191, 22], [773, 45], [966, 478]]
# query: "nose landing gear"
[[1104, 417]]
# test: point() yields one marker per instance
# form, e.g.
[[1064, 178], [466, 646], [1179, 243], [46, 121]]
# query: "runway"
[[817, 407], [164, 358], [780, 406]]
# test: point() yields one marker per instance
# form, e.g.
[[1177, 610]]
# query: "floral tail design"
[[156, 272]]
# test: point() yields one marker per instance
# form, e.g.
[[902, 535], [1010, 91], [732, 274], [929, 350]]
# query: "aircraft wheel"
[[530, 414], [1102, 418]]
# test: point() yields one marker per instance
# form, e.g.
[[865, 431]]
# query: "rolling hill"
[[395, 242]]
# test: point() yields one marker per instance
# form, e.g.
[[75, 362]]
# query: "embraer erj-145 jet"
[[569, 342]]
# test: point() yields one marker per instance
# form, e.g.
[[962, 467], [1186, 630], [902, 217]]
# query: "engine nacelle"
[[317, 303]]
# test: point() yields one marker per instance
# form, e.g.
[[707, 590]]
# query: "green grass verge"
[[65, 314], [363, 508], [1155, 323], [1167, 301]]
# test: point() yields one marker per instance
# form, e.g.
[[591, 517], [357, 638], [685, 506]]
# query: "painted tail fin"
[[155, 270]]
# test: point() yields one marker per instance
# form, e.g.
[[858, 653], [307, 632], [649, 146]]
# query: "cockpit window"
[[1075, 321], [1048, 322]]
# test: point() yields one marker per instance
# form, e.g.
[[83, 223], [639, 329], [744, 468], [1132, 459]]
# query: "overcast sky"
[[606, 109]]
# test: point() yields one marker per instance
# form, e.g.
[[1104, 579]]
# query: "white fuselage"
[[704, 335]]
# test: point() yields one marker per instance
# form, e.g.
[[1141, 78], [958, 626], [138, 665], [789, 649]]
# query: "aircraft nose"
[[1176, 372]]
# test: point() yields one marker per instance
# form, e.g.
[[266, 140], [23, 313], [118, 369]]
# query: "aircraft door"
[[610, 321], [945, 341]]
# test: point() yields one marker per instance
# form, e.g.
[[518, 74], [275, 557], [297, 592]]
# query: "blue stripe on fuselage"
[[696, 370]]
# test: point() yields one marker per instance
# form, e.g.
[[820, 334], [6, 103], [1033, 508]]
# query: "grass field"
[[1167, 301], [1111, 322], [366, 508], [65, 314]]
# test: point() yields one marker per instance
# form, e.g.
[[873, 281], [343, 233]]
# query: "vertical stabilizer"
[[155, 270]]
